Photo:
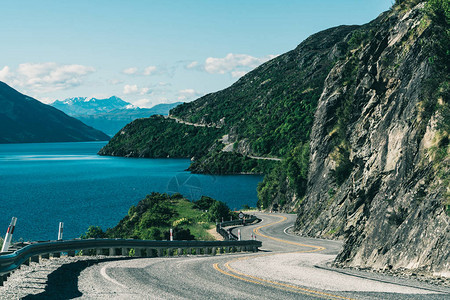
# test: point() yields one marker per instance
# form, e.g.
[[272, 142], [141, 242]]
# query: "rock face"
[[26, 120], [376, 178]]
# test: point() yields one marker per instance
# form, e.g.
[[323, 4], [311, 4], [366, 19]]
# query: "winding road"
[[288, 267]]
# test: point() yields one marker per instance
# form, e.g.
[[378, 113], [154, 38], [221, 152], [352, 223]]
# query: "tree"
[[94, 232], [218, 210]]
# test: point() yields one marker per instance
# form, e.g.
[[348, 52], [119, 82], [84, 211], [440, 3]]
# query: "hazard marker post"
[[60, 232], [9, 234]]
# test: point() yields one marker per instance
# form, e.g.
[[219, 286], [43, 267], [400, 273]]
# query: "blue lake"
[[44, 184]]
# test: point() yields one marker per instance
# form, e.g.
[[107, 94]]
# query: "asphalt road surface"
[[286, 268]]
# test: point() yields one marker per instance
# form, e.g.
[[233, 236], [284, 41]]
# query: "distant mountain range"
[[78, 106], [108, 115], [26, 120]]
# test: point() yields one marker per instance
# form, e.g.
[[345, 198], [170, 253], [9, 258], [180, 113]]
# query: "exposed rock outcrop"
[[375, 178]]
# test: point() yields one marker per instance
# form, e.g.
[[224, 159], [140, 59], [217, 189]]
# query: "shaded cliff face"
[[379, 162]]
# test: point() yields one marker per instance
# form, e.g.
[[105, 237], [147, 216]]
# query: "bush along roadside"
[[153, 217]]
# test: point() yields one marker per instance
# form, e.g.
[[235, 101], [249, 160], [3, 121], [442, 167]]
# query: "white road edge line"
[[285, 230], [106, 276]]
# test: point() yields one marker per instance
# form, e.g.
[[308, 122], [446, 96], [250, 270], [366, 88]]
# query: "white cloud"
[[130, 89], [161, 83], [130, 71], [235, 64], [46, 100], [144, 103], [145, 91], [98, 96], [238, 74], [150, 70], [4, 73], [147, 103], [47, 77], [115, 81], [192, 65], [188, 94]]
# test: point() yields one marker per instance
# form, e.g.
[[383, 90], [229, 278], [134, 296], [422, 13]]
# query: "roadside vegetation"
[[159, 137], [153, 217], [218, 162]]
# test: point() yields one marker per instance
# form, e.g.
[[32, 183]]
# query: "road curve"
[[285, 269]]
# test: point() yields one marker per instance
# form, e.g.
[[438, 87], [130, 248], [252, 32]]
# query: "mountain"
[[360, 118], [79, 106], [108, 115], [26, 120]]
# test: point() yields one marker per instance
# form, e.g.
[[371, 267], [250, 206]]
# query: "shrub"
[[94, 232]]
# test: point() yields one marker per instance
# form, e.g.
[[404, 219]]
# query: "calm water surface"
[[44, 184]]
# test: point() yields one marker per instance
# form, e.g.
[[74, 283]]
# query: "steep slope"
[[379, 167], [159, 137], [108, 115], [268, 112], [26, 120]]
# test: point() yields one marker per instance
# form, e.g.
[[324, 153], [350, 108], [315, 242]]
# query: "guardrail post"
[[124, 252], [197, 251], [112, 251], [26, 262], [138, 252], [3, 278], [214, 251], [149, 252], [180, 251], [159, 252]]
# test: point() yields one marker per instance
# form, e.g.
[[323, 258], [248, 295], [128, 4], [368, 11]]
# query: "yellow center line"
[[305, 292], [275, 284], [283, 218]]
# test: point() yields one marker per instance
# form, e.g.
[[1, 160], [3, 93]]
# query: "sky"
[[149, 52]]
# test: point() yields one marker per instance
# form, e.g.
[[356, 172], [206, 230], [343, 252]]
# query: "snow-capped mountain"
[[108, 115], [91, 106]]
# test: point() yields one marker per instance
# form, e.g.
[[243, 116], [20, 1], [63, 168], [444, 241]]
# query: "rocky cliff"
[[379, 154]]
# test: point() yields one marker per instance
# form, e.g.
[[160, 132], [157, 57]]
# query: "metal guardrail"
[[12, 261], [36, 250], [227, 234]]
